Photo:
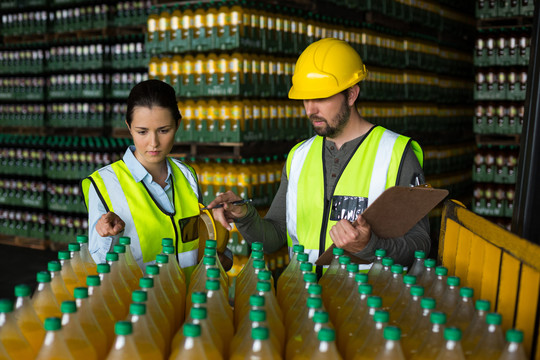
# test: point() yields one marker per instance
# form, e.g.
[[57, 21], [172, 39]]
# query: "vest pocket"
[[189, 229], [347, 207]]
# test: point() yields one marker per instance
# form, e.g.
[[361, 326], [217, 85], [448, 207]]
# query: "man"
[[330, 179]]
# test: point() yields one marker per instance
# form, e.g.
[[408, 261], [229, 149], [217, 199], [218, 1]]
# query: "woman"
[[147, 195]]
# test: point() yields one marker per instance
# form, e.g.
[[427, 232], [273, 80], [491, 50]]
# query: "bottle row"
[[503, 49], [494, 200], [22, 115], [505, 119], [447, 159], [486, 9], [70, 86], [501, 84], [494, 164]]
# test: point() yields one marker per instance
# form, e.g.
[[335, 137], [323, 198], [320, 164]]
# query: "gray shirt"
[[272, 230]]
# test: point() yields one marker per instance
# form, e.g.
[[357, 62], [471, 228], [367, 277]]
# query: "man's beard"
[[341, 120]]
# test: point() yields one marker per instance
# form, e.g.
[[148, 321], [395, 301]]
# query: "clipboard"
[[394, 213]]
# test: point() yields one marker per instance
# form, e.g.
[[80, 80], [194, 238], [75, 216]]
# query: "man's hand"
[[352, 237], [229, 212], [109, 224]]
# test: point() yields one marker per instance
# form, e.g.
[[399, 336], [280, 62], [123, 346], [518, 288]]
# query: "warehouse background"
[[450, 74]]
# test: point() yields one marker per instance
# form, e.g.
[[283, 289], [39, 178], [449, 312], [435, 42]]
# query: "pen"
[[238, 202]]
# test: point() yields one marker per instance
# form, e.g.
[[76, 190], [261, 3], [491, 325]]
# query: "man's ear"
[[352, 94]]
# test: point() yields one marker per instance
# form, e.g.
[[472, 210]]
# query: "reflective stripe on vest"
[[146, 222]]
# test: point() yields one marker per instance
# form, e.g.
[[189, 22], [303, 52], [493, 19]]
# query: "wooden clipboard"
[[394, 213]]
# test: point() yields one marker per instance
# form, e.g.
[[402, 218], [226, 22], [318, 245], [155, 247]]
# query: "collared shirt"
[[163, 197]]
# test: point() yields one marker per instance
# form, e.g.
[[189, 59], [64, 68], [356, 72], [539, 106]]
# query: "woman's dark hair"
[[151, 93]]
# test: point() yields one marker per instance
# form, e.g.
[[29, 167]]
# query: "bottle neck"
[[452, 345]]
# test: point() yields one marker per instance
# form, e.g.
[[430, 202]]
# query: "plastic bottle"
[[194, 347], [412, 310], [131, 281], [68, 275], [141, 297], [172, 314], [384, 275], [354, 300], [452, 348], [57, 283], [514, 346], [428, 276], [245, 285], [393, 287], [11, 336], [54, 346], [77, 263], [289, 271], [154, 308], [331, 287], [74, 335], [43, 300], [174, 268], [176, 290], [244, 180], [417, 268], [307, 336], [212, 245], [434, 339], [116, 277], [99, 307], [260, 347], [491, 343], [219, 312], [248, 267], [332, 268], [152, 24], [356, 310], [310, 279], [451, 296], [295, 287], [114, 301], [273, 311], [418, 332], [343, 291], [257, 318], [141, 333], [199, 315], [391, 349], [291, 281], [93, 330], [86, 258], [258, 302], [402, 299], [27, 318], [439, 284], [325, 346], [377, 266], [242, 305], [124, 346], [313, 304], [464, 310], [360, 330], [374, 340]]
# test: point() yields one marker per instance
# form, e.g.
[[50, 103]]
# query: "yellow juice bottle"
[[210, 69], [89, 263], [219, 177], [212, 117], [130, 260], [211, 18], [99, 308], [260, 346], [231, 176], [244, 180], [125, 271], [187, 70], [152, 271], [200, 114], [141, 332], [187, 23], [164, 68], [225, 113], [67, 272], [219, 311], [175, 288], [164, 23], [174, 269], [199, 23], [175, 22], [194, 347], [117, 280], [155, 309], [75, 337], [57, 283], [54, 345], [91, 327], [44, 300], [77, 263], [176, 70], [304, 341], [125, 346], [110, 294], [147, 321], [257, 318], [152, 25], [153, 68], [11, 336], [198, 69], [27, 318]]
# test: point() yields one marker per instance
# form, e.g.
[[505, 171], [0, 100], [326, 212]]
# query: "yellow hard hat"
[[325, 68]]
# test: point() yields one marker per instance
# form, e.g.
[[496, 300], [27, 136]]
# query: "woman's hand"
[[110, 224], [229, 212]]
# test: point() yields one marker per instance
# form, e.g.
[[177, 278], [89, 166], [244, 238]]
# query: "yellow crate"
[[501, 267]]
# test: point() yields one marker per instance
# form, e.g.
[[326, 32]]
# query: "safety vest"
[[146, 222], [373, 168]]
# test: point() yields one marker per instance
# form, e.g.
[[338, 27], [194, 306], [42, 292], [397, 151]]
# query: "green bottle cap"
[[6, 306], [417, 290], [53, 324], [392, 333], [352, 268], [452, 334], [259, 333], [82, 239], [257, 315], [365, 289], [482, 305], [437, 317], [125, 240], [344, 260], [381, 316], [199, 313], [111, 256], [452, 281], [68, 307], [43, 277], [192, 330], [167, 242], [420, 254], [198, 297], [162, 259], [74, 247], [211, 244], [310, 277], [374, 301], [337, 251], [64, 255], [213, 273], [209, 252], [138, 308], [302, 257], [380, 253], [153, 270], [306, 266], [119, 248], [259, 264], [298, 248], [326, 334], [493, 319], [80, 292], [93, 280], [212, 285], [257, 255], [430, 263], [263, 286], [209, 260], [103, 268], [256, 300], [54, 266], [396, 269], [409, 279], [314, 289], [387, 261], [427, 303], [361, 278], [123, 328], [441, 271], [466, 292], [139, 296], [314, 302], [168, 250], [514, 335], [320, 317], [22, 290], [146, 283], [257, 246]]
